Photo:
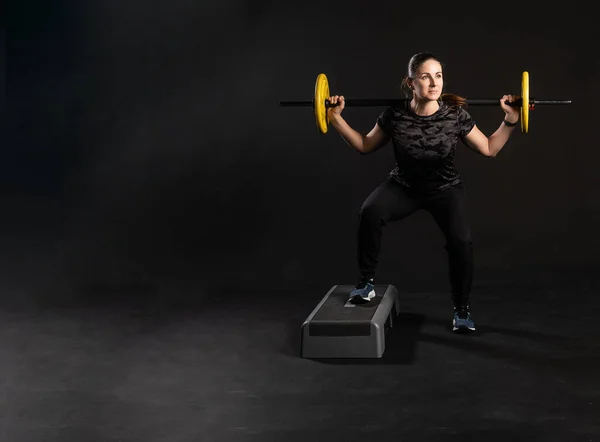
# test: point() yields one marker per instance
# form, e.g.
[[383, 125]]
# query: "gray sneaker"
[[462, 321]]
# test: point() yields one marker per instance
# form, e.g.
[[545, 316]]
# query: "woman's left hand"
[[512, 113]]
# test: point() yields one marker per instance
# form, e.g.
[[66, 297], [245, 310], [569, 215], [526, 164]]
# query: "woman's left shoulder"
[[452, 108], [462, 113], [461, 110]]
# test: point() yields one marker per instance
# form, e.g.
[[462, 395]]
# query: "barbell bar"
[[320, 102]]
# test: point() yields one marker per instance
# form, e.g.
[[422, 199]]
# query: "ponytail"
[[454, 100]]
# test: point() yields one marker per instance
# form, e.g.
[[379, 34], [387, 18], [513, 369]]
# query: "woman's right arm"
[[364, 144]]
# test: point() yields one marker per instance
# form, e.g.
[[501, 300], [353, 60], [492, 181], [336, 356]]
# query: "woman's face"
[[428, 81]]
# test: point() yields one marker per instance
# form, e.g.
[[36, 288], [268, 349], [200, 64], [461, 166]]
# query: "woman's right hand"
[[335, 111]]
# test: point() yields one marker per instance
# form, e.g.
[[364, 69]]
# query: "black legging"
[[390, 201]]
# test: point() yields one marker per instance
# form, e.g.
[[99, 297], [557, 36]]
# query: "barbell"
[[320, 102]]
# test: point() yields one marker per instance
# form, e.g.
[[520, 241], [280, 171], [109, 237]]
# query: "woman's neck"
[[424, 108]]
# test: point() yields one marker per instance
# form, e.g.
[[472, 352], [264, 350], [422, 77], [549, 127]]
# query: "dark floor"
[[228, 369]]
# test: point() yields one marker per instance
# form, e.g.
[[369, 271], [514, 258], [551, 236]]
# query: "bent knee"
[[372, 213]]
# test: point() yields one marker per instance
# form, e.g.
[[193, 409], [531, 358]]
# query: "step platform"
[[337, 328]]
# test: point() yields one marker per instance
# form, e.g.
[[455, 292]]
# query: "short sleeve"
[[465, 122], [384, 120]]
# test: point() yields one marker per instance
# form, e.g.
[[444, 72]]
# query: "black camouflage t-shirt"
[[424, 146]]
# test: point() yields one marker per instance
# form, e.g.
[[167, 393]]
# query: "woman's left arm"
[[490, 147]]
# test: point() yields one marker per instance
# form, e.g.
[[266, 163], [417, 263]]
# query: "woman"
[[424, 132]]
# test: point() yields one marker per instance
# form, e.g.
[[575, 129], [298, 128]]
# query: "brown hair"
[[413, 65]]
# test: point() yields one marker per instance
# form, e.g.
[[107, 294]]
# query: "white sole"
[[455, 328]]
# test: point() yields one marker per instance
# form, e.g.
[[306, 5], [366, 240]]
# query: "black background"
[[146, 151]]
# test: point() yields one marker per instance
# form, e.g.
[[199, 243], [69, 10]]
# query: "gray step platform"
[[337, 328]]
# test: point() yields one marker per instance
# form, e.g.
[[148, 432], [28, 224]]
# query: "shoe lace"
[[462, 312]]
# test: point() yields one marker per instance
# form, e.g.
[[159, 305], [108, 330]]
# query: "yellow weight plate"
[[525, 102], [321, 94]]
